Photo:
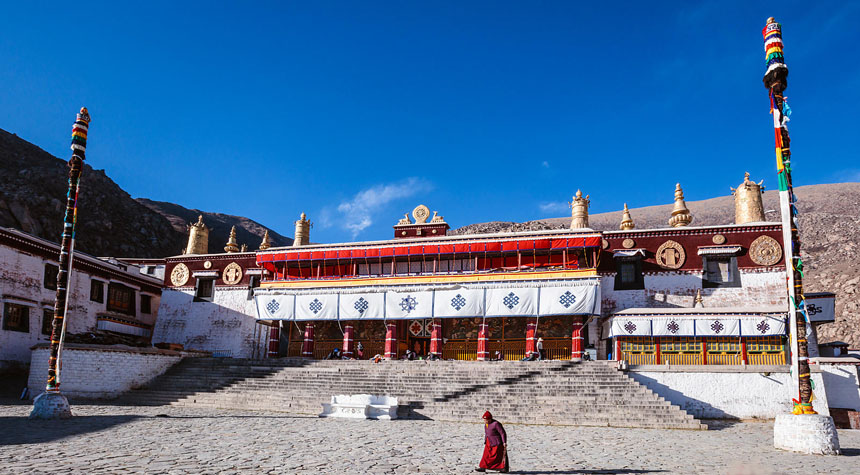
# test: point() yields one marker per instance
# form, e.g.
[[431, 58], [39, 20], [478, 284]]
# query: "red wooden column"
[[436, 338], [531, 326], [576, 343], [348, 340], [617, 353], [391, 340], [483, 351], [704, 351], [657, 351], [744, 359], [274, 339], [308, 342]]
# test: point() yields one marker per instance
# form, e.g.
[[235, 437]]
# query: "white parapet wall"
[[100, 372], [728, 392]]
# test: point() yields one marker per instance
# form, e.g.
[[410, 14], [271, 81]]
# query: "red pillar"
[[436, 339], [576, 346], [483, 351], [531, 326], [274, 339], [617, 353], [704, 351], [744, 359], [308, 342], [348, 340], [657, 351], [391, 340]]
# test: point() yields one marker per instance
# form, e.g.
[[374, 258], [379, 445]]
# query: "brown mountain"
[[830, 239], [33, 186]]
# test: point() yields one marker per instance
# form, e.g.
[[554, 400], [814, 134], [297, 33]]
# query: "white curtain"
[[316, 307], [458, 303], [367, 306], [275, 307], [573, 300], [403, 305], [512, 302]]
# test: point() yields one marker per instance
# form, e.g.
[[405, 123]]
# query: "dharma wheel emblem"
[[765, 251], [179, 275], [670, 255], [232, 274]]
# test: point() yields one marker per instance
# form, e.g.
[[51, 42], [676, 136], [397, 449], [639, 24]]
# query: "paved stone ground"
[[113, 439]]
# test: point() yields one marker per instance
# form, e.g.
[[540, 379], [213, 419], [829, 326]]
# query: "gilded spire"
[[265, 244], [579, 211], [303, 231], [748, 201], [198, 237], [626, 220], [680, 214], [232, 245], [698, 302]]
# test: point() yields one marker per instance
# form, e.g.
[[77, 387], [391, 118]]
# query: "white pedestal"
[[807, 433], [361, 406], [51, 405]]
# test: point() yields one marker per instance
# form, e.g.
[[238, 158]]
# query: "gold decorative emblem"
[[718, 239], [179, 275], [670, 255], [207, 265], [421, 213], [604, 244], [628, 243], [765, 251], [232, 274]]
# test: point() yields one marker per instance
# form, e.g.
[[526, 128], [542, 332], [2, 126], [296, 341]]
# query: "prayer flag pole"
[[51, 404]]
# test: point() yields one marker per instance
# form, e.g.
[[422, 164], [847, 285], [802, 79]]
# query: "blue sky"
[[355, 112]]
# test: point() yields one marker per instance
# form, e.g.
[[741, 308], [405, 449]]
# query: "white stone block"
[[361, 406], [807, 433]]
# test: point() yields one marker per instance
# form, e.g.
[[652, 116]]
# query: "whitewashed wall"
[[226, 325], [100, 372], [759, 392], [842, 385]]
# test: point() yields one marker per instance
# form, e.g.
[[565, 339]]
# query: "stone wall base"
[[51, 406], [806, 433]]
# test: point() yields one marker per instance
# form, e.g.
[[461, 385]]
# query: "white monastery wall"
[[226, 326], [101, 372], [843, 389], [729, 392], [678, 289]]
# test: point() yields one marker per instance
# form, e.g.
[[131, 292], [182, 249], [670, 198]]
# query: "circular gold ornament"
[[628, 243], [421, 213], [207, 265], [718, 239], [765, 251], [232, 274], [179, 275], [670, 255], [604, 244]]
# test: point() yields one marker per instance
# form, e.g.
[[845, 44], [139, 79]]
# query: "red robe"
[[495, 441]]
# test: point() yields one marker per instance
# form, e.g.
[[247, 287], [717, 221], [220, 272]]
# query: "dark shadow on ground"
[[21, 430], [719, 424], [850, 452]]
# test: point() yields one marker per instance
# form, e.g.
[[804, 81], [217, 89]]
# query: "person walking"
[[495, 455]]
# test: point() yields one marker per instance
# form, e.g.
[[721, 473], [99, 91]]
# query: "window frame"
[[47, 323], [24, 325], [101, 284], [639, 281], [50, 276], [197, 288], [734, 273], [111, 306], [148, 299]]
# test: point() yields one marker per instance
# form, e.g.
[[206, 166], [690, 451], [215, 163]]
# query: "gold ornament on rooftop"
[[179, 275], [680, 214], [579, 211], [232, 274], [765, 251], [626, 220], [670, 255], [697, 303], [232, 245], [303, 231], [749, 207], [265, 244], [198, 238]]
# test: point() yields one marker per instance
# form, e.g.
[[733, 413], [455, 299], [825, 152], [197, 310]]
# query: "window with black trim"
[[16, 317], [720, 271], [629, 274], [50, 279], [145, 304], [47, 321], [120, 298], [97, 291], [205, 290], [255, 281]]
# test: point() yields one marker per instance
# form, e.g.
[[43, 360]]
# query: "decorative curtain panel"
[[687, 325], [316, 307], [275, 307], [408, 305], [512, 302], [458, 303], [573, 300], [367, 306]]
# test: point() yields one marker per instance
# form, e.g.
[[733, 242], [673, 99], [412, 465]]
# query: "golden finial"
[[579, 211], [680, 214], [232, 245], [698, 301], [749, 207], [303, 231], [265, 244], [198, 237], [626, 220], [244, 248]]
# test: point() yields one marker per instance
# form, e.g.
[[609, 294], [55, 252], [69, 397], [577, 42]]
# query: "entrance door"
[[419, 336]]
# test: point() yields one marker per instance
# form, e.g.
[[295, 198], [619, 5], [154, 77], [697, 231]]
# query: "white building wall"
[[226, 325], [759, 392], [843, 388], [104, 373]]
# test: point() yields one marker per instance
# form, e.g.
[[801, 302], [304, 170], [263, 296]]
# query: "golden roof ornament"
[[265, 244], [303, 231], [198, 237], [749, 207], [698, 301], [579, 211], [626, 220], [232, 245], [680, 214], [243, 248]]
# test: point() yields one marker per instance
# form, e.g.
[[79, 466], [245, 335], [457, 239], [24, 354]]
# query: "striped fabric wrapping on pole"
[[79, 148], [776, 81]]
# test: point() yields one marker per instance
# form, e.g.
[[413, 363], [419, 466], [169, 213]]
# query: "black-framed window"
[[97, 291], [628, 274], [205, 290], [254, 281], [720, 271], [145, 304], [50, 280], [120, 298], [47, 320], [16, 317]]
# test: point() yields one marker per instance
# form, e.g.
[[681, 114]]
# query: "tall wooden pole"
[[776, 81], [61, 300]]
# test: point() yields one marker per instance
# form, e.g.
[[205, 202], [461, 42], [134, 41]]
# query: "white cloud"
[[358, 212], [553, 207], [545, 164]]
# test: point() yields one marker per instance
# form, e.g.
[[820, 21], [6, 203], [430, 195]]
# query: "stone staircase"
[[547, 392]]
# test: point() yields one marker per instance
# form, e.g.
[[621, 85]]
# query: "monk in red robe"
[[495, 446]]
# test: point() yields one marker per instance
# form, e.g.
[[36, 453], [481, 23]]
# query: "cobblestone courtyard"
[[122, 439]]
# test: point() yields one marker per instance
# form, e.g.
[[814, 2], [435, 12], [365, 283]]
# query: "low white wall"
[[728, 392], [100, 372], [842, 385]]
